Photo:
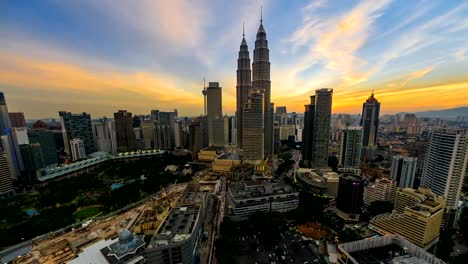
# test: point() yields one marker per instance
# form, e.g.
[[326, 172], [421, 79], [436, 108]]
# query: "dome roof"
[[125, 235]]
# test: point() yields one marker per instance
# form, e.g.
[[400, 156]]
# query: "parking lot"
[[292, 248]]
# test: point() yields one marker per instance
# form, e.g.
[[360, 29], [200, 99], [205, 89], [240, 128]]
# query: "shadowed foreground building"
[[350, 197], [253, 134]]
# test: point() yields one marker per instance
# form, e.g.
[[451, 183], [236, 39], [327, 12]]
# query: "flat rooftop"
[[177, 226], [378, 255], [255, 189]]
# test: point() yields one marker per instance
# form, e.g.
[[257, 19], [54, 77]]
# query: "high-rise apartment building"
[[381, 190], [77, 126], [350, 147], [77, 148], [446, 164], [403, 170], [350, 196], [316, 133], [253, 134], [17, 119], [243, 86], [6, 182], [418, 217], [261, 81], [215, 114], [124, 131], [370, 121]]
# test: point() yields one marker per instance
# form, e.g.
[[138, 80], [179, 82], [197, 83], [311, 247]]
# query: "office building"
[[17, 119], [196, 136], [381, 190], [178, 134], [370, 121], [164, 128], [281, 115], [417, 222], [350, 147], [77, 126], [350, 197], [46, 140], [147, 131], [403, 170], [77, 148], [6, 182], [446, 164], [253, 134], [126, 139], [243, 87], [287, 131], [248, 197], [261, 81], [316, 133], [385, 249], [215, 114], [19, 136], [12, 155]]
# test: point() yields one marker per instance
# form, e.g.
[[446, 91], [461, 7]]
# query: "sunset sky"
[[106, 55]]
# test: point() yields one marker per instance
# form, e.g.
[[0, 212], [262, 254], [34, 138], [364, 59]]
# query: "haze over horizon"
[[100, 57]]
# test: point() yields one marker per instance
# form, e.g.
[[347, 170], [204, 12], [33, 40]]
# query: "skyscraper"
[[253, 135], [77, 126], [46, 139], [261, 81], [370, 121], [243, 86], [196, 136], [124, 131], [316, 133], [102, 136], [147, 130], [17, 119], [350, 196], [215, 114], [403, 171], [350, 147], [445, 164], [33, 160]]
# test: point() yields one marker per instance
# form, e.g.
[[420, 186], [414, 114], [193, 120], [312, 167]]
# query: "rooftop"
[[177, 226], [229, 156], [255, 189]]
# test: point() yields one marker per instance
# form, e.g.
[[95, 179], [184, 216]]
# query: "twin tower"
[[254, 107]]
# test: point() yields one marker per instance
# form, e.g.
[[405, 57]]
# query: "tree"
[[380, 207]]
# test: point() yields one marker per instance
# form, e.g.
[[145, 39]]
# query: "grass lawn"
[[87, 212]]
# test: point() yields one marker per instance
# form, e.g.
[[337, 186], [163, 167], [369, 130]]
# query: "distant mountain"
[[451, 113]]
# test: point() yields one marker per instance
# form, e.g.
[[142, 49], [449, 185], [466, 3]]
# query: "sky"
[[102, 56]]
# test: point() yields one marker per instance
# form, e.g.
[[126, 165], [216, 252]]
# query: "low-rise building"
[[225, 162], [311, 181], [248, 197]]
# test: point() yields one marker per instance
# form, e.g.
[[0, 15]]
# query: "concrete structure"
[[286, 131], [261, 81], [124, 131], [311, 181], [446, 164], [210, 153], [243, 86], [77, 126], [195, 142], [248, 197], [381, 190], [316, 133], [332, 179], [253, 128], [403, 170], [387, 249], [350, 147], [350, 197], [17, 119], [102, 137], [370, 121], [77, 149], [420, 223]]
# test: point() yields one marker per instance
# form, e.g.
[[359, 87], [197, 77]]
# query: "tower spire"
[[261, 14], [243, 29]]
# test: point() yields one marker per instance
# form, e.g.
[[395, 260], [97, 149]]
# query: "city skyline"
[[129, 57]]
